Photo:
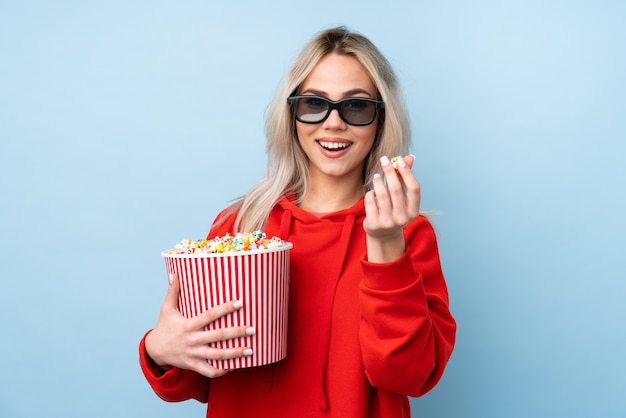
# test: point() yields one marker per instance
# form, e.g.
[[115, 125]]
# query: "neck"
[[331, 194]]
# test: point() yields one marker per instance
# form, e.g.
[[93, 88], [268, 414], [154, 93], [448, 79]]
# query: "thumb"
[[171, 298], [409, 160]]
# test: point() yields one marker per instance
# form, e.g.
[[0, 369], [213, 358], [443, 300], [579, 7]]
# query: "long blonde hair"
[[287, 167]]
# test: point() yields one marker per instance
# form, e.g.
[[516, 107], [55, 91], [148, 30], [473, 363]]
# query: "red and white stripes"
[[260, 279]]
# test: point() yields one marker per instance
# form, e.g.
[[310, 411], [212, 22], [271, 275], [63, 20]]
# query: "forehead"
[[337, 75]]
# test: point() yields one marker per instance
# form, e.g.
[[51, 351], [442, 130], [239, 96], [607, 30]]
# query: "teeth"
[[334, 145]]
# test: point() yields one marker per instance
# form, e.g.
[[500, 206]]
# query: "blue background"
[[126, 126]]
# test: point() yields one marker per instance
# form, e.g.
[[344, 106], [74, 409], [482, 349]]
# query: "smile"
[[334, 146]]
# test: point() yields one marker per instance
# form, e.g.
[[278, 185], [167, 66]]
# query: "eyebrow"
[[348, 93]]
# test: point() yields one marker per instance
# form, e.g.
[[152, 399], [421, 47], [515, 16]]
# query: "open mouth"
[[334, 146]]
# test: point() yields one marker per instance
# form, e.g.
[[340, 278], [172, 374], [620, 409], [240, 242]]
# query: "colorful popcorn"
[[247, 241]]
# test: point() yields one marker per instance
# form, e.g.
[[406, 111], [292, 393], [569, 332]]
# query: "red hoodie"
[[362, 337]]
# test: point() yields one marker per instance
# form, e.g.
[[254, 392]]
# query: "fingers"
[[200, 363], [217, 334], [202, 366], [371, 206], [399, 176], [217, 312], [207, 349], [382, 195], [411, 185], [223, 334], [392, 203], [409, 160], [213, 353], [403, 188]]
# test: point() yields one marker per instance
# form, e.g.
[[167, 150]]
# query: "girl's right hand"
[[184, 342]]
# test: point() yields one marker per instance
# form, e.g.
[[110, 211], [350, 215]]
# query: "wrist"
[[153, 353], [385, 249]]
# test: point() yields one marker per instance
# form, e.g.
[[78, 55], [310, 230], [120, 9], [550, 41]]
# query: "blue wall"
[[126, 125]]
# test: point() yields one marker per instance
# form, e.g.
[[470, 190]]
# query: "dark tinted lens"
[[311, 109], [358, 111]]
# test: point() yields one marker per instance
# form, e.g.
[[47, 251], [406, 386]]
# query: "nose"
[[334, 121]]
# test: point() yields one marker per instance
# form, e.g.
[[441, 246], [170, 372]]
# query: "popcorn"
[[394, 161], [248, 241]]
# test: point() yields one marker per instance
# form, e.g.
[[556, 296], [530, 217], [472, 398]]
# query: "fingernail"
[[384, 160], [237, 304], [250, 331], [170, 278], [401, 162], [247, 352], [376, 176]]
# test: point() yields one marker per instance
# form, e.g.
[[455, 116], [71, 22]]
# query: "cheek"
[[369, 135], [304, 131]]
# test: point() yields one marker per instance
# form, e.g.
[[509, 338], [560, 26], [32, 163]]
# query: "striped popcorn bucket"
[[259, 278]]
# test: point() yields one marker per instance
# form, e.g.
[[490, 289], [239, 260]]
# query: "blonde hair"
[[287, 167]]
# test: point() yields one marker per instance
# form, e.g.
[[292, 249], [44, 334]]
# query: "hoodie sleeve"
[[407, 332], [175, 384]]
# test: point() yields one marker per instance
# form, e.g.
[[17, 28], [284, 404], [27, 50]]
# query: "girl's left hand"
[[388, 209]]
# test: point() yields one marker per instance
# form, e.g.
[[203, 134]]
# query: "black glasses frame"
[[378, 104]]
